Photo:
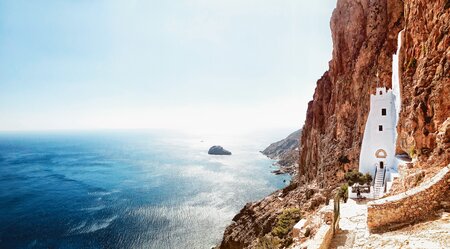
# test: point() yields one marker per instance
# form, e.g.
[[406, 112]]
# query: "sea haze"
[[146, 189]]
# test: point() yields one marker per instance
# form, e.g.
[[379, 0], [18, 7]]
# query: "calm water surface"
[[126, 189]]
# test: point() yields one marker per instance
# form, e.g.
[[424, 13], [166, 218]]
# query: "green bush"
[[367, 179], [268, 242], [343, 192], [354, 176], [286, 221]]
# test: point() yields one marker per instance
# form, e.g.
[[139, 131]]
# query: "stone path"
[[353, 230], [432, 234]]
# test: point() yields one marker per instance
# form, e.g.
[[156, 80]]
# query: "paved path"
[[353, 230]]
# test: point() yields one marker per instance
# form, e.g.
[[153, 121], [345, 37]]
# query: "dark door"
[[381, 165]]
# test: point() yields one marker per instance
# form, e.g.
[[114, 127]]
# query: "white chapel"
[[377, 150]]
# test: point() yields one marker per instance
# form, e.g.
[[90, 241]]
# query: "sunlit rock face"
[[364, 38], [425, 84], [285, 152]]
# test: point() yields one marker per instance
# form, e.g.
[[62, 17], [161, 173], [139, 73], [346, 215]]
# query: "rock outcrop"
[[218, 150], [258, 218], [285, 152]]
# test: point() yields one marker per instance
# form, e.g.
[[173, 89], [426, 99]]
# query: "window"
[[383, 112], [380, 128], [381, 93]]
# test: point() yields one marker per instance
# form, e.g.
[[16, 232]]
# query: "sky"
[[187, 64]]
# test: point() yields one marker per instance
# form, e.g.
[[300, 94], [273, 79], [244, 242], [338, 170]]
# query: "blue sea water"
[[135, 189]]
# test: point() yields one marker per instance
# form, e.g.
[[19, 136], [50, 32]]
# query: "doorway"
[[381, 164]]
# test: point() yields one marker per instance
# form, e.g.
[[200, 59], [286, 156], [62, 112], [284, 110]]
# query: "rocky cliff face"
[[285, 152], [364, 38], [425, 83], [257, 219]]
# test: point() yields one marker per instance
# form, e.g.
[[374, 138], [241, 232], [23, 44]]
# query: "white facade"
[[377, 149]]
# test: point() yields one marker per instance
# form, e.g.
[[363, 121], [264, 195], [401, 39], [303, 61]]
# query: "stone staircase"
[[378, 188]]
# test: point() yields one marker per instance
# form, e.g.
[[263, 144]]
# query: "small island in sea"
[[218, 150]]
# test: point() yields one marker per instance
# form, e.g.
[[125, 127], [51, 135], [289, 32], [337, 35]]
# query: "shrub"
[[354, 176], [286, 221], [268, 242], [411, 152], [367, 178], [343, 192]]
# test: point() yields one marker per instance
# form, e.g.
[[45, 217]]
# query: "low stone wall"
[[411, 206], [323, 226], [323, 237]]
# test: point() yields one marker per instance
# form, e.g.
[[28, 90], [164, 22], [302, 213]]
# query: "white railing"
[[379, 182]]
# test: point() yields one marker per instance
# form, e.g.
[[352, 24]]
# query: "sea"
[[127, 189]]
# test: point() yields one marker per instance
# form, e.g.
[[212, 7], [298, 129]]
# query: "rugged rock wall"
[[258, 218], [285, 152], [364, 38], [425, 83]]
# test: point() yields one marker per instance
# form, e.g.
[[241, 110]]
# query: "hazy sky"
[[192, 64]]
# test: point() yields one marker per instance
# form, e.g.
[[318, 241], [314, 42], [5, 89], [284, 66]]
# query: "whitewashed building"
[[378, 146]]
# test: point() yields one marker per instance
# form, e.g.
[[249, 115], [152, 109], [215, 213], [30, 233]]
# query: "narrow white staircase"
[[378, 188]]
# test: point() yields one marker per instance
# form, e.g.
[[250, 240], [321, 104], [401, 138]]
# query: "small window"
[[380, 128], [383, 112], [381, 93]]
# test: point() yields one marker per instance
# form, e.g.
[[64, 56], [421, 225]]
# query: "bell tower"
[[377, 149]]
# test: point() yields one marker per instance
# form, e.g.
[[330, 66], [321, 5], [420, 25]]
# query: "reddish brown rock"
[[258, 218], [425, 84], [364, 36], [364, 39]]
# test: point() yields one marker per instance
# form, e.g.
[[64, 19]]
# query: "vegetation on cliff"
[[281, 235], [286, 221]]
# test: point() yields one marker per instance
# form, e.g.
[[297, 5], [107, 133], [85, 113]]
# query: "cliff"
[[364, 38], [285, 152], [258, 219], [425, 83], [364, 34]]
